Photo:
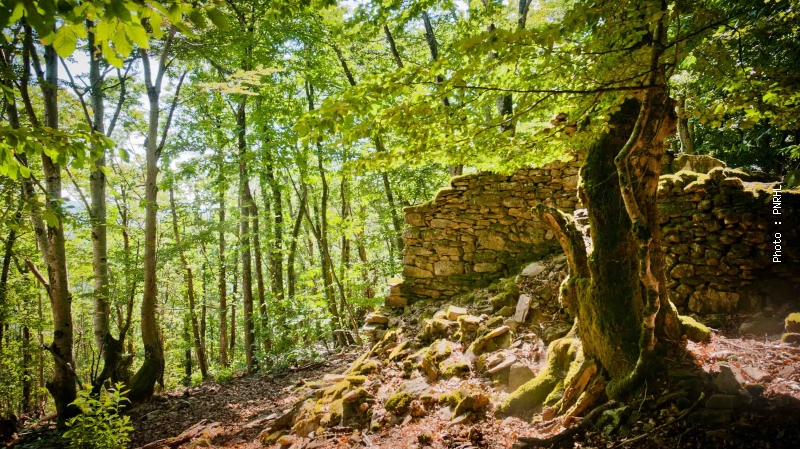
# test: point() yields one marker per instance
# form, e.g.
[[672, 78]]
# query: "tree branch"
[[169, 116]]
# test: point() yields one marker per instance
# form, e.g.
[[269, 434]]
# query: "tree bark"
[[199, 350], [262, 294], [152, 370], [223, 287], [63, 385], [246, 201], [291, 275], [684, 128], [276, 256]]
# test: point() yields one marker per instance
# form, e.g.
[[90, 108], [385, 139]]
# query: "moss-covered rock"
[[448, 369], [793, 322], [365, 367], [451, 398], [791, 337], [474, 402], [693, 329], [564, 356], [506, 311], [399, 402]]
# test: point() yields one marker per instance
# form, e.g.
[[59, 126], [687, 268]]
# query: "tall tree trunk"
[[199, 350], [63, 385], [109, 347], [246, 201], [232, 346], [152, 370], [223, 287]]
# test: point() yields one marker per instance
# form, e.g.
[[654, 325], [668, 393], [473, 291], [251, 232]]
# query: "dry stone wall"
[[718, 233], [481, 227]]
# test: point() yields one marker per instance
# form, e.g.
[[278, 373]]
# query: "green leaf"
[[24, 171], [124, 155], [218, 18], [65, 41], [138, 35]]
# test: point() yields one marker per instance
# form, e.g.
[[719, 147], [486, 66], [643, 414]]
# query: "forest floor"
[[744, 362], [739, 389], [233, 415]]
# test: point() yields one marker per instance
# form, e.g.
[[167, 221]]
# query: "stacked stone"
[[718, 236], [481, 228]]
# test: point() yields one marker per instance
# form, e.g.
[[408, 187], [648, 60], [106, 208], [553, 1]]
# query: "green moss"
[[473, 402], [791, 337], [365, 367], [452, 398], [336, 412], [693, 329], [399, 402], [564, 356], [506, 311], [398, 351], [448, 369], [356, 380]]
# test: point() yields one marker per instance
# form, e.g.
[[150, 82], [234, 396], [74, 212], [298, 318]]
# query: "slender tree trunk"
[[110, 348], [291, 275], [63, 385], [198, 343], [684, 130], [262, 294], [27, 370], [187, 353], [233, 333], [246, 201], [223, 288], [152, 370], [12, 236], [276, 256]]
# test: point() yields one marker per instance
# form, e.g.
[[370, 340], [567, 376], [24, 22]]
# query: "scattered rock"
[[761, 326], [729, 380], [454, 312], [534, 269], [523, 305], [509, 360], [376, 318], [756, 374], [519, 375]]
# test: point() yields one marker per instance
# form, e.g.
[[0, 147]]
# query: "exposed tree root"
[[565, 438]]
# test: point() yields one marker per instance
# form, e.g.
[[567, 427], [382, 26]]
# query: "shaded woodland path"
[[239, 407]]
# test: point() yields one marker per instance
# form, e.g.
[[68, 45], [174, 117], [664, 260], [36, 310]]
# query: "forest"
[[399, 223]]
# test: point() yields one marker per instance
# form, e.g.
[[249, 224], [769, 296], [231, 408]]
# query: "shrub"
[[100, 424]]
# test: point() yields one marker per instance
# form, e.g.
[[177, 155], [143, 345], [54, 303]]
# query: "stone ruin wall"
[[480, 229], [717, 232]]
